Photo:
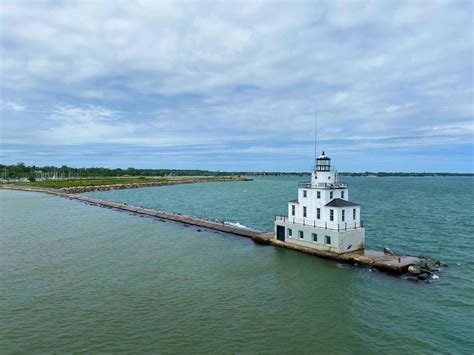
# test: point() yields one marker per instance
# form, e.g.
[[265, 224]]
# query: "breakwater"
[[82, 189], [394, 264]]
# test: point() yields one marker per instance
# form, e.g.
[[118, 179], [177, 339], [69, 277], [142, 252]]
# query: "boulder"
[[423, 264], [425, 271], [432, 264], [423, 277], [414, 269]]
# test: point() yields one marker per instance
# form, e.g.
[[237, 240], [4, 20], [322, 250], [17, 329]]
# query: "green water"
[[75, 277]]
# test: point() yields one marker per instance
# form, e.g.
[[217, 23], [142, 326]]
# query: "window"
[[318, 213], [328, 240], [315, 237], [300, 234], [290, 232], [292, 210], [331, 215], [304, 193], [342, 194], [304, 211], [343, 215], [330, 195], [318, 194], [354, 214]]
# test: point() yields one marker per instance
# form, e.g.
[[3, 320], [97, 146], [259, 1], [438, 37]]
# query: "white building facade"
[[322, 217]]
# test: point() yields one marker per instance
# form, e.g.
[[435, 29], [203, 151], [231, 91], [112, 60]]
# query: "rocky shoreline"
[[81, 189]]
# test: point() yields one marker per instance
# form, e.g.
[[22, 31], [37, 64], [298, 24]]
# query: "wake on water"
[[236, 224]]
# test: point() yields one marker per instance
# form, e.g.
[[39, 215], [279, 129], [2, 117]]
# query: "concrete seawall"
[[369, 258]]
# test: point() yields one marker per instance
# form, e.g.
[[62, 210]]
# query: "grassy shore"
[[59, 184]]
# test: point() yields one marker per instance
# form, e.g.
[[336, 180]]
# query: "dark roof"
[[339, 202], [323, 157], [293, 201]]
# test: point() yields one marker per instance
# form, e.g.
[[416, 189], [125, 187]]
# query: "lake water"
[[75, 277]]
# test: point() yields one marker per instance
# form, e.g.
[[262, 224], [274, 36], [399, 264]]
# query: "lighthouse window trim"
[[328, 240], [354, 214], [304, 211], [318, 194], [304, 193], [330, 195], [342, 194], [292, 210], [318, 213], [343, 216], [331, 215]]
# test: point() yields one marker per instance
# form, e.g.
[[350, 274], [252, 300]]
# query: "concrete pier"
[[393, 264]]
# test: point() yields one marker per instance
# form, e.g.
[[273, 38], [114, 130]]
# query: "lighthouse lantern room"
[[322, 217]]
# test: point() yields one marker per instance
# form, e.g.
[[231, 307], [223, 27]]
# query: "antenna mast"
[[316, 135]]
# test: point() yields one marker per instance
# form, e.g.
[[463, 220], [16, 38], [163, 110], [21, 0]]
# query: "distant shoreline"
[[21, 172], [379, 174]]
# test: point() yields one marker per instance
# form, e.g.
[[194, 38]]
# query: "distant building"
[[322, 217]]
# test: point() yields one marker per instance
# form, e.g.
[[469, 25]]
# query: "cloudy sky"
[[235, 86]]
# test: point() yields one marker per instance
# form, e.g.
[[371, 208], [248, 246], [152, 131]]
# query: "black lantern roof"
[[323, 157]]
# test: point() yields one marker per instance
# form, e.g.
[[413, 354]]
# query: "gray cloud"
[[239, 77]]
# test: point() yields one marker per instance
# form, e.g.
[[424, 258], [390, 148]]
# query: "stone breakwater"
[[393, 264], [82, 189]]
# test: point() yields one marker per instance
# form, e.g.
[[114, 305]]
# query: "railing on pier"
[[326, 225], [323, 185]]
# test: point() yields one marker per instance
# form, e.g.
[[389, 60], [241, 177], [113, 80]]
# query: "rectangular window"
[[304, 193], [342, 194], [330, 195], [331, 215], [318, 194], [343, 215], [300, 234], [292, 210], [290, 232], [318, 213], [328, 240], [304, 211], [315, 237], [354, 214]]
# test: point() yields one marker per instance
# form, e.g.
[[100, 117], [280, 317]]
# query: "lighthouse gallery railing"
[[323, 185], [326, 225]]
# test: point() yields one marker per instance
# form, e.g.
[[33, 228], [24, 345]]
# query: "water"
[[81, 278]]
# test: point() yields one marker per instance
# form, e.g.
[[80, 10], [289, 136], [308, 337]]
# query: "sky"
[[237, 86]]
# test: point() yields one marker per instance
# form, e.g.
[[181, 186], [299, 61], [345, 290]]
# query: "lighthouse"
[[322, 217]]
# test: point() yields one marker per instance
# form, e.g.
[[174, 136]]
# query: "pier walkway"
[[375, 259]]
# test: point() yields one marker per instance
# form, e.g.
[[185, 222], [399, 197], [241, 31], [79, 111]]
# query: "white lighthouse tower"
[[322, 217]]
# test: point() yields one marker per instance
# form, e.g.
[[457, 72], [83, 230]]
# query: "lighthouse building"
[[322, 217]]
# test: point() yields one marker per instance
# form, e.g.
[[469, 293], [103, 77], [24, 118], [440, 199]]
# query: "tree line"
[[20, 170], [33, 172]]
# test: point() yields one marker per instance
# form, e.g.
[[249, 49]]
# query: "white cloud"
[[12, 106]]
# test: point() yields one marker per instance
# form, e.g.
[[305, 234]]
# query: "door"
[[281, 233]]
